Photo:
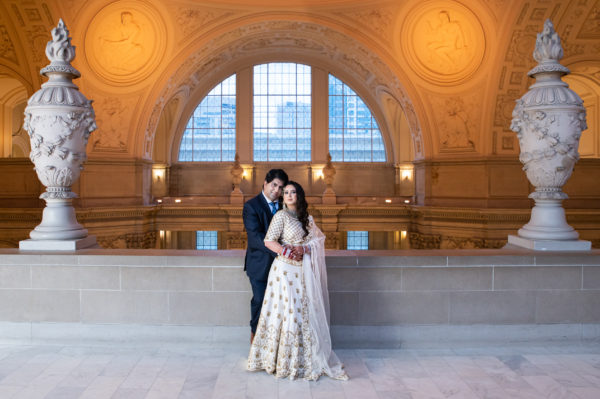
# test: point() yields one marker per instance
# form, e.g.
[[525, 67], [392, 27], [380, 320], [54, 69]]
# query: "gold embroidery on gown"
[[281, 346]]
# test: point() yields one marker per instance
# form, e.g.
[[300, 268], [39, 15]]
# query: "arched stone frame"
[[308, 43], [13, 97], [584, 79], [194, 98], [516, 59]]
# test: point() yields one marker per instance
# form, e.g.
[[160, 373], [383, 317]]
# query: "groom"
[[257, 216]]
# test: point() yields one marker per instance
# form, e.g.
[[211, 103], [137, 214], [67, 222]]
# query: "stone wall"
[[386, 293]]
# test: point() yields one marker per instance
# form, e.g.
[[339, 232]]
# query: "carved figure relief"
[[444, 41], [111, 134], [125, 41], [122, 45], [457, 121]]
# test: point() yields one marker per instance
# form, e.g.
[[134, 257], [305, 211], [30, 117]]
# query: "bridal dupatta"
[[323, 359]]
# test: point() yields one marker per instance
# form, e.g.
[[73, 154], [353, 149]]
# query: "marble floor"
[[534, 371]]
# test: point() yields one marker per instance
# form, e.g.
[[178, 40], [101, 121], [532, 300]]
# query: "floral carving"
[[59, 120], [548, 120]]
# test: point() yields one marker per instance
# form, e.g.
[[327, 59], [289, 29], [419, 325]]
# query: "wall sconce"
[[158, 175], [406, 173], [178, 200], [388, 201], [403, 234], [407, 201], [159, 201], [318, 173]]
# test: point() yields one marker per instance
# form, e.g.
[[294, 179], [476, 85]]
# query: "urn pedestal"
[[59, 120], [548, 120]]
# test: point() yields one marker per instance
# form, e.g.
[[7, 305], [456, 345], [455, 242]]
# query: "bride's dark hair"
[[301, 205]]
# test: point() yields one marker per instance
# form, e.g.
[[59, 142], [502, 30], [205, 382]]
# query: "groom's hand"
[[298, 253]]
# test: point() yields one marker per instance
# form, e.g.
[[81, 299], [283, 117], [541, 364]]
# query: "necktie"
[[273, 207]]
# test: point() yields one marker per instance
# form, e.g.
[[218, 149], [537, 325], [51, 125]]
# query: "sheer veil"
[[324, 360]]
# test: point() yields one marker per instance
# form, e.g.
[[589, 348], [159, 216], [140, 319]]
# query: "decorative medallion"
[[125, 41], [442, 41]]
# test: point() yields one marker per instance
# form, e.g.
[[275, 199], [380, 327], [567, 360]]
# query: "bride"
[[292, 338]]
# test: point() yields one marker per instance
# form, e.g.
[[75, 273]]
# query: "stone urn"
[[548, 121], [59, 120]]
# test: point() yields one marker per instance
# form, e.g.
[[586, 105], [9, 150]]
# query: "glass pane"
[[206, 240], [282, 112], [210, 132], [357, 240], [354, 135]]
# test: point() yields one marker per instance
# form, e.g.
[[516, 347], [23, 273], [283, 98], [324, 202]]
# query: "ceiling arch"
[[299, 41]]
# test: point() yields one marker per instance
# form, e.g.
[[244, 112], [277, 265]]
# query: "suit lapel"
[[266, 208]]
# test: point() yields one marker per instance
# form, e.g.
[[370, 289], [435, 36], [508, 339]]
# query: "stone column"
[[548, 121], [59, 120]]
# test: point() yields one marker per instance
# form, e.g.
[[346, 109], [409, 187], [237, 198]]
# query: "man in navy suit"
[[257, 216]]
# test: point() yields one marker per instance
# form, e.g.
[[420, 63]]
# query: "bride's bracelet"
[[286, 252]]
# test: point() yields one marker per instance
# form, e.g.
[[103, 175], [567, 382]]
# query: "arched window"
[[353, 132], [282, 119], [210, 133], [282, 112]]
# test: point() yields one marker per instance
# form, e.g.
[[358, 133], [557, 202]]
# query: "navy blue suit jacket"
[[257, 217]]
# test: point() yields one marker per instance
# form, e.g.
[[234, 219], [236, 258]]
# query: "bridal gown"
[[292, 338]]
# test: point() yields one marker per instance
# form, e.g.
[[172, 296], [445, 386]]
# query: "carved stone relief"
[[443, 42], [7, 49], [113, 116], [577, 24], [590, 29], [379, 20], [457, 121], [37, 37], [191, 19], [125, 42], [299, 37], [130, 240]]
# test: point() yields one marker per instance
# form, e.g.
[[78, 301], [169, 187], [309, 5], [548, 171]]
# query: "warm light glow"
[[159, 201], [161, 234], [318, 173], [389, 201], [406, 173], [158, 175], [177, 200], [403, 234], [407, 201]]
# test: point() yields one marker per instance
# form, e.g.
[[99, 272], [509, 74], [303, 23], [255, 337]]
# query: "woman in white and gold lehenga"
[[292, 338]]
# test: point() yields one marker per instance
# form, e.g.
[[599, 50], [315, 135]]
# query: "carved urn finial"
[[59, 120], [548, 120]]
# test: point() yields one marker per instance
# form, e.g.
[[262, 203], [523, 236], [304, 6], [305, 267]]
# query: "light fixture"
[[318, 173], [159, 201], [403, 234], [178, 200], [389, 201], [407, 201]]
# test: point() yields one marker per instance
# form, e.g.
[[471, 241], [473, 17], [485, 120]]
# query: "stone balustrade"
[[378, 298]]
